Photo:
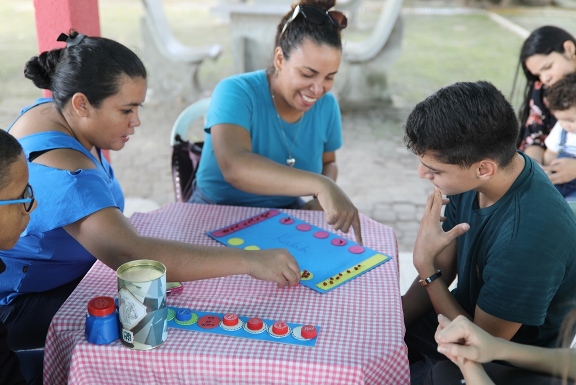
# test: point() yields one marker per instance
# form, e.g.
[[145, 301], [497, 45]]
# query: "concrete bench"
[[350, 7], [173, 66], [252, 29], [362, 79]]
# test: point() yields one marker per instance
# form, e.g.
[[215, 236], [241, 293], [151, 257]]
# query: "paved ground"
[[376, 170]]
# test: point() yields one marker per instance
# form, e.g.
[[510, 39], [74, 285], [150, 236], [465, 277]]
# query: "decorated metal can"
[[142, 304]]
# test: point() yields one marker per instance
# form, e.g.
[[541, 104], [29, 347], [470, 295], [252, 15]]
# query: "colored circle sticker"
[[252, 247], [356, 249], [287, 221], [171, 315], [338, 242], [304, 227], [321, 234], [235, 241], [209, 321]]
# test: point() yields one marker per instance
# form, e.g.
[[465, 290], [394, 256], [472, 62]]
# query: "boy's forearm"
[[415, 303]]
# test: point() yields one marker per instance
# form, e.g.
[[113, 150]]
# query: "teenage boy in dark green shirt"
[[508, 235]]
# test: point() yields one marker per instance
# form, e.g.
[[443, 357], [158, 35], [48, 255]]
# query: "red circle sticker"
[[338, 242], [209, 322], [287, 221], [303, 227], [356, 249]]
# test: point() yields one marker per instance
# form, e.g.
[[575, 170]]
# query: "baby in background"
[[561, 142]]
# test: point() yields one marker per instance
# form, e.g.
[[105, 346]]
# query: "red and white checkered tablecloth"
[[360, 341]]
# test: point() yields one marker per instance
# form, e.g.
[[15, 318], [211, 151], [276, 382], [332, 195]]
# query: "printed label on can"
[[131, 310]]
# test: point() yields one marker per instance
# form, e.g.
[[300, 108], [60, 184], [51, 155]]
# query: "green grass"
[[440, 50]]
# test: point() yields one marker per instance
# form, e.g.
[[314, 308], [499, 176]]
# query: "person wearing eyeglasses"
[[16, 203], [272, 135], [98, 86]]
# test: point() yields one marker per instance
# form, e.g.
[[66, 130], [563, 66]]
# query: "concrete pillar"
[[56, 16]]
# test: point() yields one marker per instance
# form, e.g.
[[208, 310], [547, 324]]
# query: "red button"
[[308, 331], [101, 306], [255, 324], [280, 328], [230, 319]]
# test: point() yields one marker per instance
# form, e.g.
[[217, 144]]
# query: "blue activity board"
[[243, 327], [326, 259]]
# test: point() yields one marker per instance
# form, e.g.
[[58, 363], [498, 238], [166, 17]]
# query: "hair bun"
[[40, 68]]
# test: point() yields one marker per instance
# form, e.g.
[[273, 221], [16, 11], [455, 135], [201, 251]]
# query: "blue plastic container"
[[102, 322]]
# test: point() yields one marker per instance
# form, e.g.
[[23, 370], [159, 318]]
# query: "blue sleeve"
[[231, 103], [65, 197]]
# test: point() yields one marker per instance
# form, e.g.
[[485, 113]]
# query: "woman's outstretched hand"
[[339, 210]]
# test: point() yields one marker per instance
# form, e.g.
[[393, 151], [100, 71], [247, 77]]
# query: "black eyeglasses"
[[27, 199], [317, 16]]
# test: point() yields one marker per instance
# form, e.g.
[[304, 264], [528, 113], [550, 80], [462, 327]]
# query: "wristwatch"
[[430, 279]]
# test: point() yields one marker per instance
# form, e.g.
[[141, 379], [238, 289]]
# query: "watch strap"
[[432, 278]]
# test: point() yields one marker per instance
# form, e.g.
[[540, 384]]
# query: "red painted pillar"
[[56, 16]]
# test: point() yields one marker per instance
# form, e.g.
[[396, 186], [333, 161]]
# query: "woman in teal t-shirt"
[[272, 135]]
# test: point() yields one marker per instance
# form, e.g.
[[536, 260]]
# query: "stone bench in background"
[[173, 66]]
